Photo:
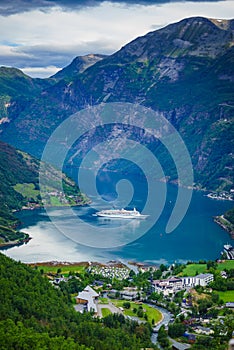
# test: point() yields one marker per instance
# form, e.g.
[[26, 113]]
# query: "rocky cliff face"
[[184, 71]]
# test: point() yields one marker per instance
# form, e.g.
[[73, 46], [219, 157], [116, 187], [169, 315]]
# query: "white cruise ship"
[[121, 214]]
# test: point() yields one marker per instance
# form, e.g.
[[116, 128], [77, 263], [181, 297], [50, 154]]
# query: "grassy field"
[[151, 312], [54, 201], [65, 269], [105, 312], [193, 269], [227, 296], [27, 190], [102, 300], [228, 264]]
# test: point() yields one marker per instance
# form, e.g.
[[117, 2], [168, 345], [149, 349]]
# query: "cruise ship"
[[121, 214]]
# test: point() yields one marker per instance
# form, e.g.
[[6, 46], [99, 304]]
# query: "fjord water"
[[197, 237]]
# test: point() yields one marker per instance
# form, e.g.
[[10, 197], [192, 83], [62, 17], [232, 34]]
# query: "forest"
[[229, 215], [36, 315]]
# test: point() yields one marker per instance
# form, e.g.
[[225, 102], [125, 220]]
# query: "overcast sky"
[[42, 36]]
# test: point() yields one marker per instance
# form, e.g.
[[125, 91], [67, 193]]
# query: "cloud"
[[42, 72], [50, 55], [19, 6], [41, 34]]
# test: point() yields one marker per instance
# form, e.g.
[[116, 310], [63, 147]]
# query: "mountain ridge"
[[183, 71]]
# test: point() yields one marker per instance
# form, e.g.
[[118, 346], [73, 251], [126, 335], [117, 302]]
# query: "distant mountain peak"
[[11, 72], [194, 36], [78, 65]]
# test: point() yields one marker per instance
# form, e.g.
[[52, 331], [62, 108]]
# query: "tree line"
[[35, 315]]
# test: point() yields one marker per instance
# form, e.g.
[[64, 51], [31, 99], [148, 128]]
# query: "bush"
[[126, 305], [140, 313], [176, 330]]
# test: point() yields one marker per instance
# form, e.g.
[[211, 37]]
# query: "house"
[[223, 274], [203, 330], [204, 278], [58, 280], [200, 280], [98, 283], [188, 281], [129, 293], [174, 284], [88, 298], [146, 267], [230, 305], [168, 286], [112, 293], [190, 336]]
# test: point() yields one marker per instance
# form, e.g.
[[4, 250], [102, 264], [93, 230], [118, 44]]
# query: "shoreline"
[[54, 263], [219, 198], [220, 220], [11, 244], [135, 266], [38, 206]]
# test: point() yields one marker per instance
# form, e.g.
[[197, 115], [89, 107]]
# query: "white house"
[[200, 280], [168, 286], [188, 281], [174, 284], [88, 297], [204, 278], [203, 330]]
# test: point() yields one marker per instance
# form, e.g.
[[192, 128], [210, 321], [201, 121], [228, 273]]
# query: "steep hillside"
[[17, 91], [226, 221], [14, 82], [35, 315], [20, 188], [185, 71]]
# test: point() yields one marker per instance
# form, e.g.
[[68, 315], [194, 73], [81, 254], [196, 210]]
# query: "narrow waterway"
[[62, 235]]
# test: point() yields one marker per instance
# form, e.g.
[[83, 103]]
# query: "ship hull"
[[119, 216]]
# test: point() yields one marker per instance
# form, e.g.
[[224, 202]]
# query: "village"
[[187, 309]]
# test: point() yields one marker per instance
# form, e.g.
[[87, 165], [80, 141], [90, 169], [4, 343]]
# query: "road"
[[166, 319]]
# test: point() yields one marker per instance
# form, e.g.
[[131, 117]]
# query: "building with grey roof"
[[88, 297]]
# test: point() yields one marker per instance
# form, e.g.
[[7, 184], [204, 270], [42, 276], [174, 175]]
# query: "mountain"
[[14, 82], [78, 65], [19, 178], [17, 91], [184, 71]]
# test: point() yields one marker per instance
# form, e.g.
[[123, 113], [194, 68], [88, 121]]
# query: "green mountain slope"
[[20, 188], [14, 82], [17, 90], [184, 71], [35, 315], [226, 221]]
